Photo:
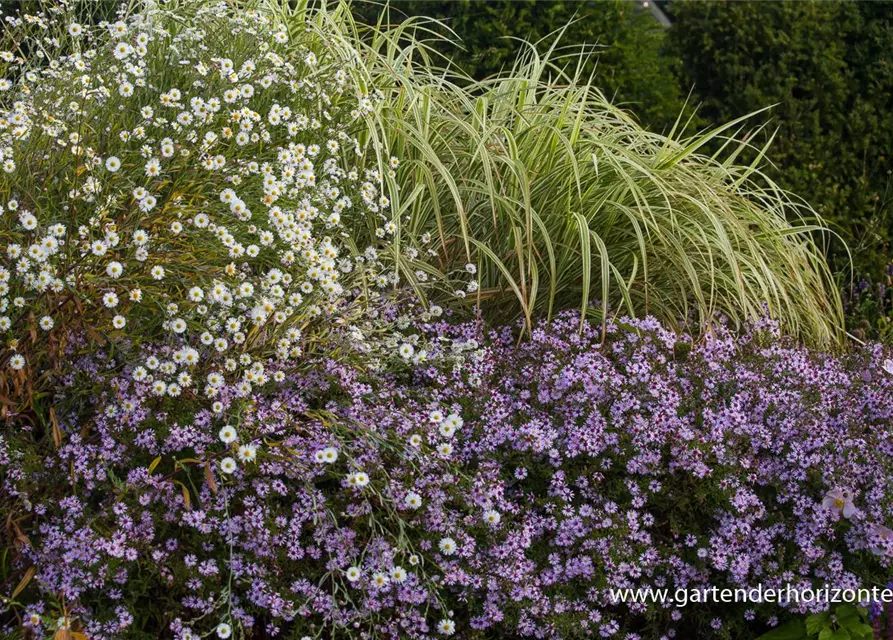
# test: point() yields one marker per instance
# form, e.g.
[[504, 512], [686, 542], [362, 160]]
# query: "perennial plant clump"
[[492, 491], [195, 199]]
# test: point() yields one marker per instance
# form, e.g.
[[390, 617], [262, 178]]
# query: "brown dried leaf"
[[23, 582], [57, 432], [209, 477]]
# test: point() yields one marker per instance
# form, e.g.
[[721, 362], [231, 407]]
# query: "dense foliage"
[[622, 43], [828, 68], [491, 488], [251, 386], [563, 200]]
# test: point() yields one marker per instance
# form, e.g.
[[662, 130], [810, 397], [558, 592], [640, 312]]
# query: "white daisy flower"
[[492, 517], [358, 479], [455, 420], [398, 574], [446, 627], [247, 453], [413, 500], [447, 546]]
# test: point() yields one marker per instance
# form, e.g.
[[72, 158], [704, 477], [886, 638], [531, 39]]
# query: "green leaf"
[[839, 634], [793, 630], [861, 631], [845, 613], [818, 621]]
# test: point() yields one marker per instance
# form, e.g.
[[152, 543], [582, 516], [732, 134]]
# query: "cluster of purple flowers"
[[501, 488]]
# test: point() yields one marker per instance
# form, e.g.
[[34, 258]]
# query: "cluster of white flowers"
[[197, 198], [245, 453], [381, 579], [447, 428]]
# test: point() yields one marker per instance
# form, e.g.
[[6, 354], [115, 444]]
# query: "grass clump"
[[559, 199]]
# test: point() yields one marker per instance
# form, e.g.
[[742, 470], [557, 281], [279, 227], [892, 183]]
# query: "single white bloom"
[[447, 546], [228, 434], [398, 574], [114, 269], [228, 465], [413, 500], [247, 453], [446, 627]]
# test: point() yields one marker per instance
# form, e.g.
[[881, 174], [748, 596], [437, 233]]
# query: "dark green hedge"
[[828, 66], [630, 65]]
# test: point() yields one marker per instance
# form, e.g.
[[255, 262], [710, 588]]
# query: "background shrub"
[[828, 68], [630, 66]]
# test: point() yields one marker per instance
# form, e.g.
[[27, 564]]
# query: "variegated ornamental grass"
[[563, 200]]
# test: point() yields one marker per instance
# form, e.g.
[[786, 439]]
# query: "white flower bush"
[[181, 184]]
